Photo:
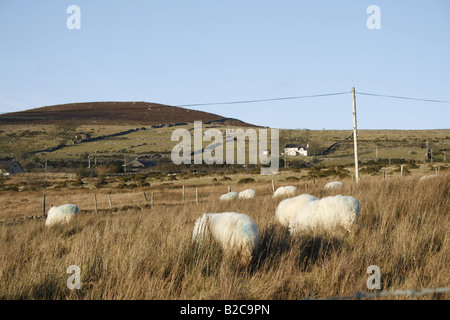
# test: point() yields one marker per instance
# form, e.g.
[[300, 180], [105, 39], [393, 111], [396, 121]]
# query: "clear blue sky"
[[182, 52]]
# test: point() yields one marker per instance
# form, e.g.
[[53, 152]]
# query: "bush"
[[336, 171], [105, 169], [246, 180], [101, 181], [371, 169]]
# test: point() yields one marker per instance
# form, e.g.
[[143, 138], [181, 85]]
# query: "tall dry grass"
[[148, 254]]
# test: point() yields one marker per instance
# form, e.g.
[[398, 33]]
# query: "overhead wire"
[[276, 99]]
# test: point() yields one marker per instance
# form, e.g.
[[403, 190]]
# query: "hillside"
[[113, 113]]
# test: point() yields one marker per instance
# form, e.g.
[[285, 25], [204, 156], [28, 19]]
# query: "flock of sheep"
[[238, 235]]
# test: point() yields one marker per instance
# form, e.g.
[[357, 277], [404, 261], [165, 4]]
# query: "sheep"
[[229, 196], [327, 213], [61, 214], [247, 194], [333, 185], [285, 191], [236, 233], [288, 208]]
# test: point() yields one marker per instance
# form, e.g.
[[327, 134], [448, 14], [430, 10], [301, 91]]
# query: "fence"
[[113, 202]]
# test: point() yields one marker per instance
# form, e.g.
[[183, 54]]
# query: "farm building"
[[8, 167], [138, 165], [295, 150]]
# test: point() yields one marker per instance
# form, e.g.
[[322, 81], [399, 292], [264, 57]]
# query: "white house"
[[295, 150]]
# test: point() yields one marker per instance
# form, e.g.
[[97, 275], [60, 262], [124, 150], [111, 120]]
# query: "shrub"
[[246, 180], [101, 181]]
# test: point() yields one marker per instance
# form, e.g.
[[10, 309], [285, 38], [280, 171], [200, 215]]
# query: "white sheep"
[[236, 233], [61, 214], [333, 185], [247, 194], [327, 213], [288, 208], [229, 196], [285, 191]]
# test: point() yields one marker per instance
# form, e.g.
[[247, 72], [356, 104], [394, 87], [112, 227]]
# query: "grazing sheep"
[[288, 208], [236, 233], [327, 213], [333, 185], [247, 194], [285, 191], [61, 214], [229, 196]]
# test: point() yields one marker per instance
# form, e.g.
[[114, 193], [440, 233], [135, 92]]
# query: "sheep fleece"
[[327, 213], [288, 208], [236, 233]]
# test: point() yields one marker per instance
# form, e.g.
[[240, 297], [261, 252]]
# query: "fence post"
[[109, 200], [152, 200], [145, 197], [196, 195], [95, 203], [401, 170], [43, 204], [229, 189], [184, 194]]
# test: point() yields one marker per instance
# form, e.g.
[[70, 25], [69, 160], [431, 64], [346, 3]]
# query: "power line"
[[255, 101], [262, 100], [399, 97]]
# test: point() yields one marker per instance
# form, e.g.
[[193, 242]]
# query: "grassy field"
[[409, 144], [136, 252]]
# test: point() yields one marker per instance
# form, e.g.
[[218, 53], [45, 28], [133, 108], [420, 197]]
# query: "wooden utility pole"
[[355, 136]]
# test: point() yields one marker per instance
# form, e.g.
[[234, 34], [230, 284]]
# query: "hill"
[[112, 113]]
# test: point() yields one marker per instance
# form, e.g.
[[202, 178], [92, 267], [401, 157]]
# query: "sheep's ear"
[[51, 206]]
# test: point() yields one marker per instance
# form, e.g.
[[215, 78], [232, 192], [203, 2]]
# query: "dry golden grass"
[[148, 254]]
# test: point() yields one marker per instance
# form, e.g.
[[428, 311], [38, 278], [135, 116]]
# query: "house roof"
[[292, 145], [8, 164], [141, 163]]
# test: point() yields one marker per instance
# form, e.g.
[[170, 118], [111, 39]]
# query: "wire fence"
[[372, 295]]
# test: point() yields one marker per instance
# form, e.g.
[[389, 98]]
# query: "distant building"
[[138, 165], [8, 167], [295, 150]]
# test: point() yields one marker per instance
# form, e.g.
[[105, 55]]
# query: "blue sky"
[[183, 52]]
